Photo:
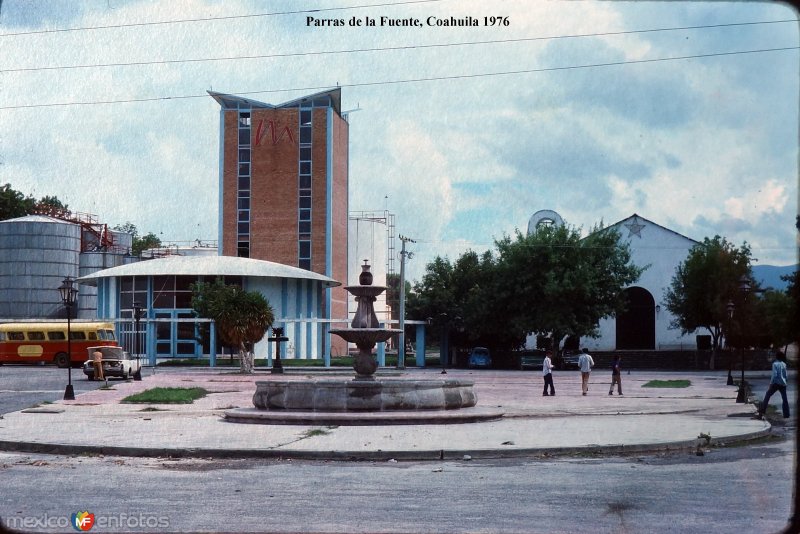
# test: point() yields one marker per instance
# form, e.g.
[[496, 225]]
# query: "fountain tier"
[[329, 395]]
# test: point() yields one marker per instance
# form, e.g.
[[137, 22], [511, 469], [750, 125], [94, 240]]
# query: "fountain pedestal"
[[364, 400]]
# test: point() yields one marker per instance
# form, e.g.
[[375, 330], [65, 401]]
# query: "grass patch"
[[668, 384], [167, 396]]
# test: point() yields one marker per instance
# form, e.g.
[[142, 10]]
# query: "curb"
[[426, 455]]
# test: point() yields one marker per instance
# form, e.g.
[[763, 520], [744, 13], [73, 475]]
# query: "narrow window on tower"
[[306, 118], [243, 184]]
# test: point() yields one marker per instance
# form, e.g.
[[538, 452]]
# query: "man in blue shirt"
[[777, 383]]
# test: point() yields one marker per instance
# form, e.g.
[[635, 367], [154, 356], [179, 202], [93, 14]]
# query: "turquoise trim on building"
[[220, 189], [311, 315], [420, 345], [329, 228], [298, 327]]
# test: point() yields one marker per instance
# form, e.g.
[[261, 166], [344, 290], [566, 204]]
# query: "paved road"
[[737, 489], [23, 386], [744, 489]]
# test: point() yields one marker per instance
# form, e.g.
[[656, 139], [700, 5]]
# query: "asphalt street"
[[745, 488], [23, 386]]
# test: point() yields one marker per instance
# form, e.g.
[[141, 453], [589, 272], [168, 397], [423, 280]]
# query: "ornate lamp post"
[[443, 345], [69, 294], [138, 313], [744, 289], [730, 308]]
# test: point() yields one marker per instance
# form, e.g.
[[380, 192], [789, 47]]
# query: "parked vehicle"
[[116, 362], [569, 361], [531, 359], [479, 357], [46, 342]]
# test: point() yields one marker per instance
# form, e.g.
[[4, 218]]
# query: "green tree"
[[140, 243], [550, 282], [15, 204], [775, 313], [556, 284], [705, 285], [242, 318]]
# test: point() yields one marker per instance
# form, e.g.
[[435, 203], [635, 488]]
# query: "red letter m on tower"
[[274, 133]]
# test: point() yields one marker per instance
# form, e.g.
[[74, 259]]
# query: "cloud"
[[701, 146]]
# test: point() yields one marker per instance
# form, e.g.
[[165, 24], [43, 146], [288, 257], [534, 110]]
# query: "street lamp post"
[[730, 307], [68, 295], [138, 313], [744, 289], [443, 345]]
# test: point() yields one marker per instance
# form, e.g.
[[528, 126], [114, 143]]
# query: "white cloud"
[[702, 146]]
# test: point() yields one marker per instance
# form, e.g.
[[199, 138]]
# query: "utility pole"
[[401, 350]]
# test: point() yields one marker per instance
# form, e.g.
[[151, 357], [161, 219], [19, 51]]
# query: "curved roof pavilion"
[[170, 327], [209, 266]]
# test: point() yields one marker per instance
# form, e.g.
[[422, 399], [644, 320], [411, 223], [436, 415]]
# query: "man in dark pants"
[[777, 383], [547, 373]]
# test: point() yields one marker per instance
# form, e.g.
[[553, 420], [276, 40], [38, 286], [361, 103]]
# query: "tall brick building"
[[283, 186]]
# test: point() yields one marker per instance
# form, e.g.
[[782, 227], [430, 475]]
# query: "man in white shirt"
[[547, 374], [585, 362]]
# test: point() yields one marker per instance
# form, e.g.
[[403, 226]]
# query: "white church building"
[[645, 325]]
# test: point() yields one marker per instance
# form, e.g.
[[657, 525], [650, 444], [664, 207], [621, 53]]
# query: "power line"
[[383, 49], [410, 80], [210, 19]]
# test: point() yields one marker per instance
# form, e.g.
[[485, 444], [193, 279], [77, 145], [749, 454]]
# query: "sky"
[[463, 132]]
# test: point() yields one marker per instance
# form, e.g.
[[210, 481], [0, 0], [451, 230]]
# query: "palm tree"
[[242, 317]]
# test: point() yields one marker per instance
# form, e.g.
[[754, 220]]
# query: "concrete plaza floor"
[[644, 419]]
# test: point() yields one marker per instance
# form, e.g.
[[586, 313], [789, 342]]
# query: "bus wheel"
[[61, 360]]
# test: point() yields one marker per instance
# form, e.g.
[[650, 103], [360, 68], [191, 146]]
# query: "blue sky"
[[703, 146]]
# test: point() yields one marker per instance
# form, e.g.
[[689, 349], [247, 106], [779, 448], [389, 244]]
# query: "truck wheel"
[[61, 360]]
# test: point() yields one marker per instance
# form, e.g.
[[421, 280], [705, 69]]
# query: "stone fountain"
[[363, 399], [365, 331]]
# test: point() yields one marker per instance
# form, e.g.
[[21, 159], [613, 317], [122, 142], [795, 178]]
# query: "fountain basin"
[[330, 395]]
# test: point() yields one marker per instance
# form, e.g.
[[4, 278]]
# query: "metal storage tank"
[[97, 260], [36, 253]]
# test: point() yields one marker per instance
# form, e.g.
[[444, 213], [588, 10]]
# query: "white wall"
[[368, 240], [662, 251]]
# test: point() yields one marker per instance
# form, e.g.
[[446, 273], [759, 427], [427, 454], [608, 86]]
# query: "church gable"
[[637, 230]]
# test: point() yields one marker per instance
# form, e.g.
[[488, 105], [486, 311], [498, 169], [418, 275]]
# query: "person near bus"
[[97, 362]]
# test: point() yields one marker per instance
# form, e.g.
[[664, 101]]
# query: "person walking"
[[616, 375], [776, 383], [547, 373], [585, 362]]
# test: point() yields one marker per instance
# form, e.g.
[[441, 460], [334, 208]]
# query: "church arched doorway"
[[636, 326]]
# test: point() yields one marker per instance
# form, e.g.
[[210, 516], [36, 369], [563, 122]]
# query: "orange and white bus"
[[47, 342]]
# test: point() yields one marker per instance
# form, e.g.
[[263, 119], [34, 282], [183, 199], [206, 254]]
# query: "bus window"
[[16, 336], [77, 335], [36, 336], [107, 335], [2, 336], [56, 336], [92, 335]]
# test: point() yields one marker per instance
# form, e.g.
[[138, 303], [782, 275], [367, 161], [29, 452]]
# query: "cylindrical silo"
[[97, 260], [36, 253]]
